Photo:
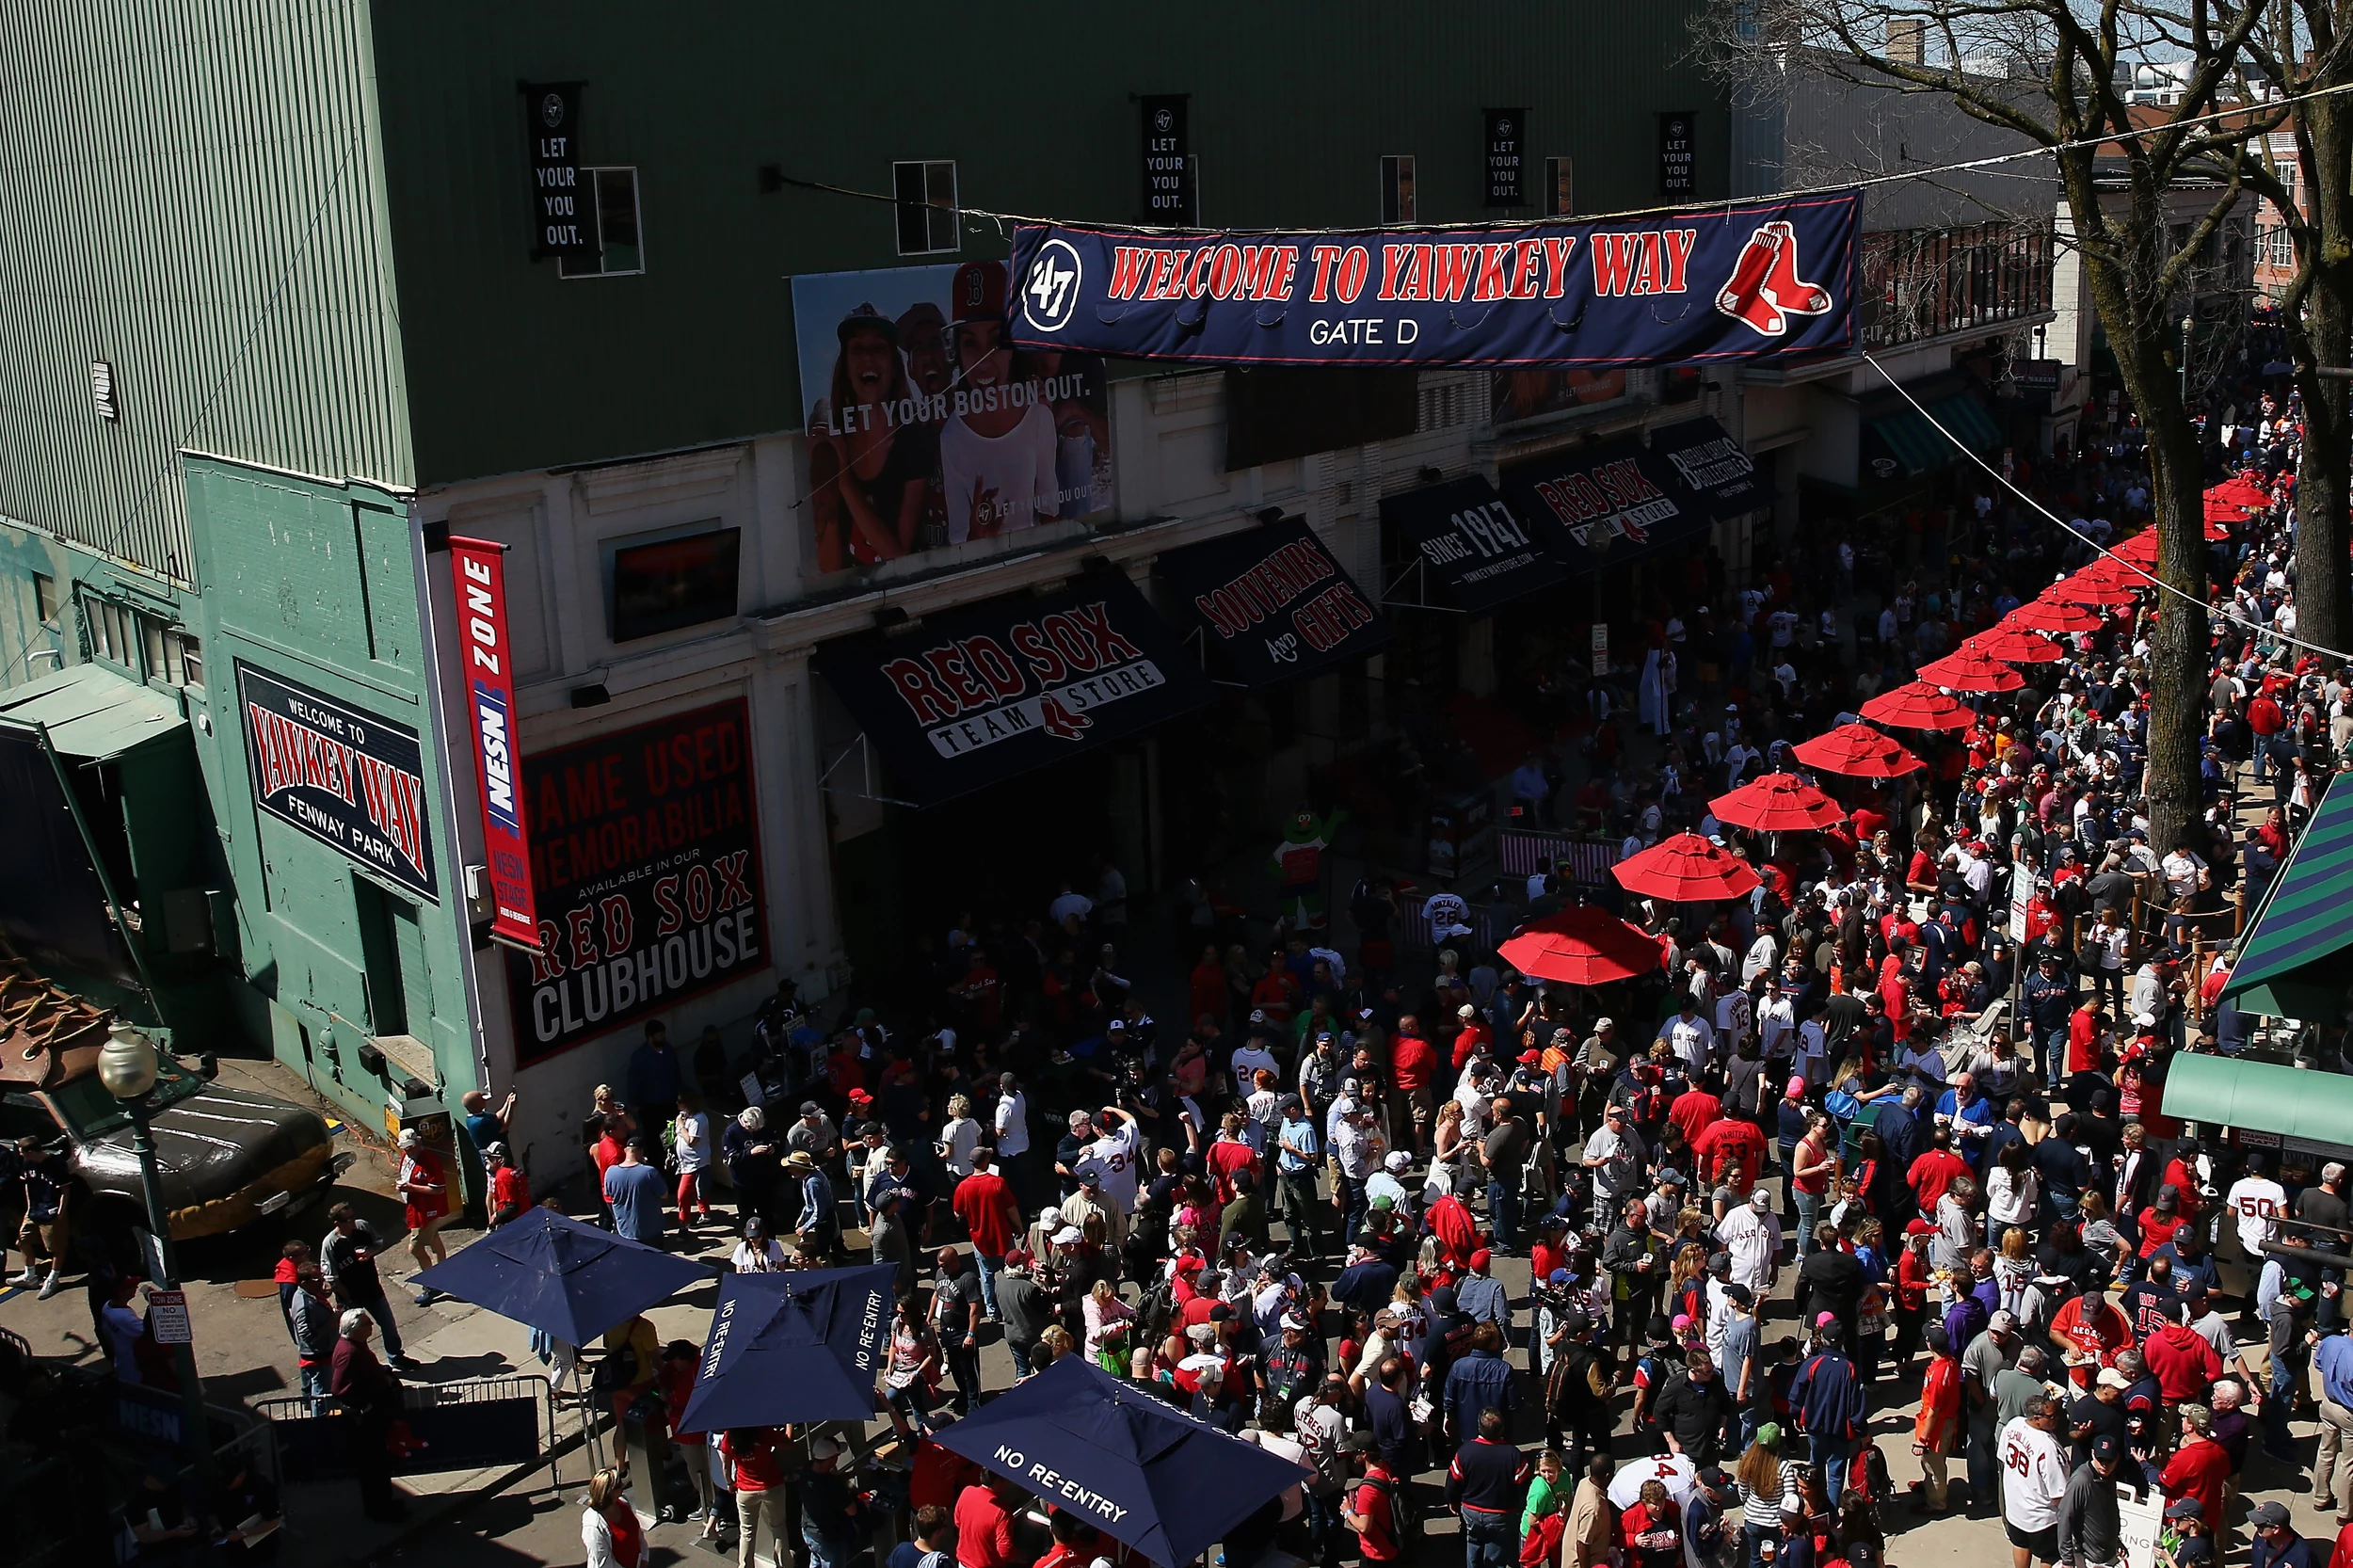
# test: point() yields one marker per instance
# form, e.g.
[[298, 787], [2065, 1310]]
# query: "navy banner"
[[1738, 283]]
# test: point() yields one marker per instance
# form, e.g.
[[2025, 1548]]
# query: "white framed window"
[[173, 657], [113, 632], [1399, 202], [925, 194], [613, 218]]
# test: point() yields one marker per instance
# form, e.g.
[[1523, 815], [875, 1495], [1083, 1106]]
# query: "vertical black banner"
[[1505, 157], [562, 223], [1170, 196], [1677, 158]]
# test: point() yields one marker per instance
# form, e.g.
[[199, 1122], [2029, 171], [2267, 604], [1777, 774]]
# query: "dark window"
[[1398, 202], [1560, 186], [926, 195], [1272, 411], [45, 599], [674, 582], [613, 219]]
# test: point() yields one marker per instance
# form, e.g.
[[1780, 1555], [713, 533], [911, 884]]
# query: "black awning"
[[1464, 542], [976, 695], [1714, 465], [1273, 603], [1610, 504]]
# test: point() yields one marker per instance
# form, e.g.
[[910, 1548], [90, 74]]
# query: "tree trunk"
[[2323, 613], [2176, 651]]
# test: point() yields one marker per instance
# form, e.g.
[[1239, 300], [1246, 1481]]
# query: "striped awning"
[[2289, 962]]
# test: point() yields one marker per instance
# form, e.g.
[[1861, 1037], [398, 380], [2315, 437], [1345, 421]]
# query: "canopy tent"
[[1916, 705], [2111, 584], [2014, 645], [2055, 615], [1780, 803], [1132, 1466], [1857, 751], [1684, 868], [1581, 946], [2261, 1096], [549, 1272], [91, 713], [1966, 669], [2290, 961], [804, 1345]]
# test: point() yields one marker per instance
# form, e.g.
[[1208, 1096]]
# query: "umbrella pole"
[[590, 1427]]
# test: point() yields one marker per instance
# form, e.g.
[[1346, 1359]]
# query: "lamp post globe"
[[126, 1063]]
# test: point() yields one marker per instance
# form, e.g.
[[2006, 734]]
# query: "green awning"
[[1965, 417], [91, 711], [2264, 1096], [2288, 961], [1909, 440]]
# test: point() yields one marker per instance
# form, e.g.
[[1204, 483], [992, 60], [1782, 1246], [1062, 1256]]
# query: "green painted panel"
[[515, 368]]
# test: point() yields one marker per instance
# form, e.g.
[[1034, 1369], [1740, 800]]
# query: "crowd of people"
[[1886, 1134]]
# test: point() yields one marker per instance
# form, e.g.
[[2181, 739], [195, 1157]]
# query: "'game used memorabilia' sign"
[[1741, 283], [351, 779], [645, 850], [1009, 684]]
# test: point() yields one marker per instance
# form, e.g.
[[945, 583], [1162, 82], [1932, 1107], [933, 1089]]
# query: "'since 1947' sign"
[[645, 855], [341, 774]]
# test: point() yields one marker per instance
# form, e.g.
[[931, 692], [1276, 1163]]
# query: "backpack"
[[1404, 1524], [1155, 1311]]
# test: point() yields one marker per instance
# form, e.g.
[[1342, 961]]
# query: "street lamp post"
[[127, 1067]]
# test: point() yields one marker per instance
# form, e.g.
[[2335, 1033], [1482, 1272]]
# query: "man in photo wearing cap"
[[2199, 1470], [2289, 1321], [819, 1227]]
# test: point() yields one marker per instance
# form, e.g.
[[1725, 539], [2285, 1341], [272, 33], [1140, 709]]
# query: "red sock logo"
[[1742, 298], [1765, 290]]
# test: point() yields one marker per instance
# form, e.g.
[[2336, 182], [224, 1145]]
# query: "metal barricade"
[[1589, 856], [472, 1424]]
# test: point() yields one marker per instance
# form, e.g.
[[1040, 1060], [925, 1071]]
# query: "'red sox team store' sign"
[[645, 855], [965, 699]]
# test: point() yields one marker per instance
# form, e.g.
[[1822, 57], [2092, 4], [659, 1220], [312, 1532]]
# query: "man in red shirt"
[[1367, 1513], [1412, 1060], [1470, 1037], [2200, 1468], [2089, 1331], [1231, 1160], [1729, 1151], [1692, 1110], [2083, 1027], [985, 1524], [1935, 1170], [2183, 1363], [758, 1489], [991, 1216]]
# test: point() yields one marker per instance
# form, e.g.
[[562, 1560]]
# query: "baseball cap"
[[1740, 1295], [1068, 1234], [2111, 1378], [1761, 1198], [2265, 1515], [2003, 1320], [1795, 1090], [2187, 1508], [1480, 1258], [977, 293], [1558, 1277], [823, 1449], [1397, 1159], [810, 1108], [2106, 1449]]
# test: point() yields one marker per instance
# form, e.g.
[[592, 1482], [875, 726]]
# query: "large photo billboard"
[[925, 429]]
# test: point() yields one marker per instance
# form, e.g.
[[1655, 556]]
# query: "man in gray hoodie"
[[313, 1319], [2090, 1528]]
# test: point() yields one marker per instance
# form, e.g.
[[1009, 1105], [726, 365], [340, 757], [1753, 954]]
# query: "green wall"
[[315, 582], [515, 368], [193, 198]]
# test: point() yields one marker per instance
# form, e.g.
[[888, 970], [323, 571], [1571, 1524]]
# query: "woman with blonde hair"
[[1107, 1317], [1447, 1145]]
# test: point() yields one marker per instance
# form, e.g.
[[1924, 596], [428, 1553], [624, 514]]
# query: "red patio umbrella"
[[2239, 491], [1916, 705], [2141, 550], [1581, 946], [1779, 803], [1857, 751], [2106, 582], [1966, 669], [2058, 614], [2223, 511], [2014, 645], [1685, 869]]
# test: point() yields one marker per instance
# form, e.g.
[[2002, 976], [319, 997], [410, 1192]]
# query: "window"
[[112, 633], [1560, 186], [1397, 203], [613, 219], [175, 658], [672, 582], [45, 599], [926, 194]]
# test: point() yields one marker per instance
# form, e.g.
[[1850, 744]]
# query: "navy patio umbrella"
[[551, 1272], [1141, 1471], [806, 1345]]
